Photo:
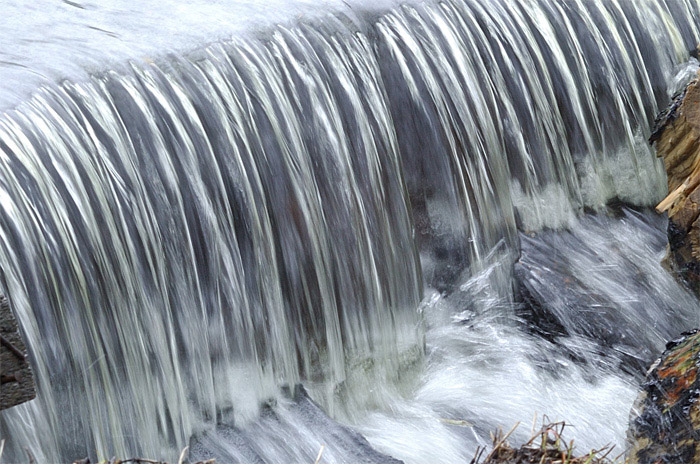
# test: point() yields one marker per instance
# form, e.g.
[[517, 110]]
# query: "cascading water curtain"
[[181, 240]]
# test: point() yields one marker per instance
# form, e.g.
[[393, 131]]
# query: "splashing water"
[[182, 238], [485, 372]]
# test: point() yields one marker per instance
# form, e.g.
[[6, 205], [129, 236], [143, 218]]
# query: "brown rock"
[[677, 138], [665, 422]]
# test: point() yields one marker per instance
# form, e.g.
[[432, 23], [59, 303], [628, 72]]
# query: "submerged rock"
[[665, 422], [597, 288], [297, 431], [677, 138]]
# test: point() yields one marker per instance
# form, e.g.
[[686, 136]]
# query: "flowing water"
[[336, 201]]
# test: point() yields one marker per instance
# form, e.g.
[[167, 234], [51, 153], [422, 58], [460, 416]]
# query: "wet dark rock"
[[557, 305], [16, 380], [667, 117], [263, 441], [584, 290], [665, 422]]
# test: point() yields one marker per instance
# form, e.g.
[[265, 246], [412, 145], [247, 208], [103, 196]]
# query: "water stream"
[[338, 201]]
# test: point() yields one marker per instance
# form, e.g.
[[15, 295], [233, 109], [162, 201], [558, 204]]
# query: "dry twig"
[[545, 447], [320, 454], [183, 455]]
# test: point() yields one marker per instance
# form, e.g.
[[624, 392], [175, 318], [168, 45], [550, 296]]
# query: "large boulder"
[[677, 138], [597, 288], [665, 421]]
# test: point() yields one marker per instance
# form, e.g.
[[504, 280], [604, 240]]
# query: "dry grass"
[[546, 446], [135, 461], [183, 456]]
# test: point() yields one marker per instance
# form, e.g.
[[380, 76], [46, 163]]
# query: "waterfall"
[[182, 238]]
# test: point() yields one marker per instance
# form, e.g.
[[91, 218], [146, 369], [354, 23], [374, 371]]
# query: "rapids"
[[211, 208]]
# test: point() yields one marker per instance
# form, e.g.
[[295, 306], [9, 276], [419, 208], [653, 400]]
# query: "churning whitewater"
[[338, 203]]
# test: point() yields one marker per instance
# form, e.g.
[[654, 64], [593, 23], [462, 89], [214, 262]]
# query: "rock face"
[[16, 381], [677, 138], [665, 422], [302, 419], [594, 289]]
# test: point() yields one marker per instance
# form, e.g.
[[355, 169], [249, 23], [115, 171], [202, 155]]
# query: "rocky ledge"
[[16, 380], [677, 139]]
